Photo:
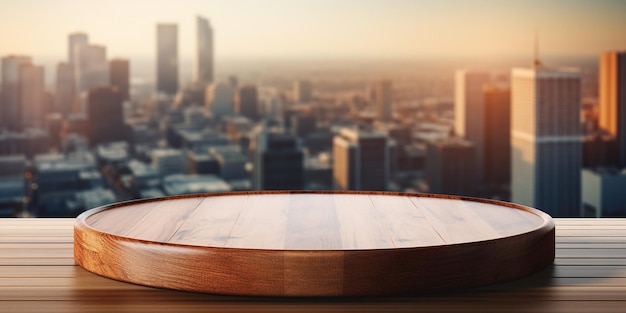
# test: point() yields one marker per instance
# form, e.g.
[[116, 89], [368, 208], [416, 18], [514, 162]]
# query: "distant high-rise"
[[105, 117], [32, 98], [361, 160], [273, 107], [546, 155], [450, 167], [469, 114], [204, 53], [11, 109], [246, 102], [303, 91], [497, 135], [384, 99], [219, 99], [65, 91], [119, 73], [92, 68], [303, 124], [74, 40], [233, 81], [74, 44], [278, 161], [167, 58], [612, 99]]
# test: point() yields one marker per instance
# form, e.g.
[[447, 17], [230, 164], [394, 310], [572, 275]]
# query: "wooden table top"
[[38, 274], [313, 221], [314, 243]]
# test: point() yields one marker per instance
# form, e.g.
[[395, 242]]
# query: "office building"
[[167, 59], [546, 140], [105, 117], [469, 114], [119, 77], [246, 102], [190, 184], [274, 108], [59, 179], [144, 176], [497, 135], [603, 192], [201, 162], [384, 100], [612, 99], [92, 68], [30, 141], [237, 128], [361, 160], [204, 52], [75, 40], [278, 161], [599, 150], [232, 162], [113, 153], [169, 161], [12, 185], [10, 106], [303, 91], [233, 81], [32, 99], [450, 167], [303, 124], [219, 99], [64, 90]]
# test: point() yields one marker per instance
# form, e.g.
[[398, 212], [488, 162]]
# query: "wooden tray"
[[313, 243]]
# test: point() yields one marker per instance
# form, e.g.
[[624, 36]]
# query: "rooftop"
[[188, 184]]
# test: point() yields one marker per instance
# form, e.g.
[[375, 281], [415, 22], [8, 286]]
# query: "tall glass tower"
[[167, 58], [204, 53], [546, 152], [613, 99]]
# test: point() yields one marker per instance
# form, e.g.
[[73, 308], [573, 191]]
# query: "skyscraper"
[[233, 81], [92, 68], [105, 117], [246, 102], [278, 161], [273, 107], [32, 98], [450, 167], [303, 91], [167, 58], [497, 135], [546, 155], [74, 40], [361, 160], [469, 114], [65, 91], [11, 109], [204, 53], [119, 76], [612, 99], [219, 99], [384, 99]]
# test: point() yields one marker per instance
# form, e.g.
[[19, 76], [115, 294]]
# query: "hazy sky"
[[320, 28]]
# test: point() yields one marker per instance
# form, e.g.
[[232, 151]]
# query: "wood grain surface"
[[38, 274], [314, 243]]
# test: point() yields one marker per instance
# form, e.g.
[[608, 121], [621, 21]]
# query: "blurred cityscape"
[[545, 132]]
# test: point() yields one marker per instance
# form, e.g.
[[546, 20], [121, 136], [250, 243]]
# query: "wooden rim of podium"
[[314, 272]]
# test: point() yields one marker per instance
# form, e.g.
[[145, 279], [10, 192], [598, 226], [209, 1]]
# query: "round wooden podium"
[[313, 243]]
